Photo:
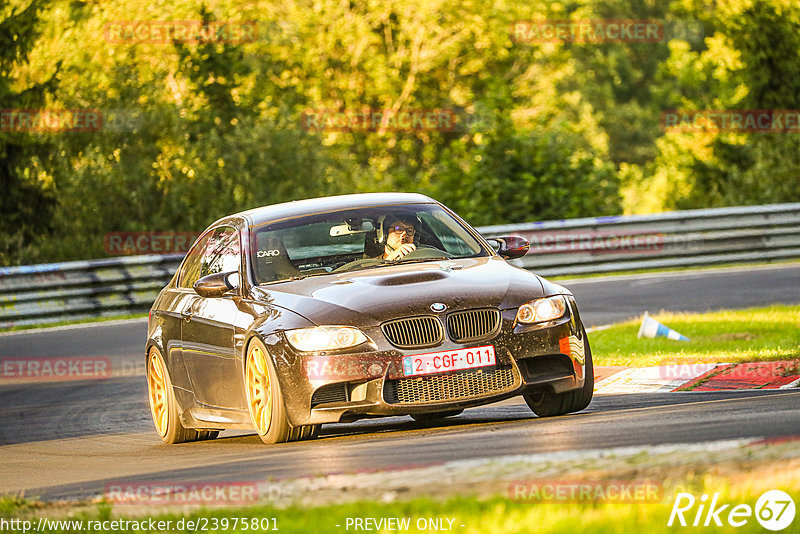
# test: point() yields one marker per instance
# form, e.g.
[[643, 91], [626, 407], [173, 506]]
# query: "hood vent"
[[409, 278]]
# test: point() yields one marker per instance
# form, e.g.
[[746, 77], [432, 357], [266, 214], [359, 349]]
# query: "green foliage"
[[194, 130], [26, 201], [505, 175], [753, 63]]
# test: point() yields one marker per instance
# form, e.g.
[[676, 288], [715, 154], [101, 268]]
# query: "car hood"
[[372, 296]]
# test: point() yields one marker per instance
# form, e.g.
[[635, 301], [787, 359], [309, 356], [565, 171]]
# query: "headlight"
[[325, 338], [540, 310]]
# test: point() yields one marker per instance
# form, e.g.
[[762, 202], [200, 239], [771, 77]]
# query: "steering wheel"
[[421, 252], [426, 251]]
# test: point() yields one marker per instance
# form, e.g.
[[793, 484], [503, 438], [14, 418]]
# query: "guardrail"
[[662, 240], [37, 294]]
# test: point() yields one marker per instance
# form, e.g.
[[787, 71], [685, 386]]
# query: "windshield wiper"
[[386, 263], [413, 260], [291, 279]]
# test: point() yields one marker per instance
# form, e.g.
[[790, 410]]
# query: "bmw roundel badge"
[[438, 307]]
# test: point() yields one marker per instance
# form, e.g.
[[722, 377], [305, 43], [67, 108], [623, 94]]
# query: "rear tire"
[[548, 404], [164, 407]]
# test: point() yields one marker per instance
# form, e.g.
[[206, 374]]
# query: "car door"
[[207, 333], [176, 303]]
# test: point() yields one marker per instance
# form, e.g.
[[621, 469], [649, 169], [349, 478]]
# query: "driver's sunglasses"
[[400, 229]]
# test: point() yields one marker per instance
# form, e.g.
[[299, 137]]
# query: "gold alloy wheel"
[[157, 386], [259, 390]]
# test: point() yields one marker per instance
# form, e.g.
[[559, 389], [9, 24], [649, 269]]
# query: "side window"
[[216, 252], [191, 267], [222, 253], [453, 237]]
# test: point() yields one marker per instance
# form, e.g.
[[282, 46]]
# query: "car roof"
[[300, 208]]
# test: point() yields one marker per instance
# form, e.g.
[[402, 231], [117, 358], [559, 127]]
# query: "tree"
[[761, 167], [508, 175], [752, 63], [27, 200]]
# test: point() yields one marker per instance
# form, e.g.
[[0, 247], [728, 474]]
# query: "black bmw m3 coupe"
[[286, 317]]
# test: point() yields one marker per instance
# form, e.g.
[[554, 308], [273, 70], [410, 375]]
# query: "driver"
[[399, 235]]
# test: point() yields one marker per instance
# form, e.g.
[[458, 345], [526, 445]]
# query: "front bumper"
[[329, 388]]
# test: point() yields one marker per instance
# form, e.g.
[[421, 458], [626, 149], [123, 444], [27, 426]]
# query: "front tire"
[[265, 400], [549, 404], [164, 407]]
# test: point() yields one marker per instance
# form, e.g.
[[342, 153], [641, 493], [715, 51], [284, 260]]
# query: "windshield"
[[357, 239]]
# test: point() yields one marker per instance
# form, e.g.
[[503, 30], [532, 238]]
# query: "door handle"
[[186, 317]]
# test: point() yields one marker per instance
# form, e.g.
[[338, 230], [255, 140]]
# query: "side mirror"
[[217, 284], [511, 247]]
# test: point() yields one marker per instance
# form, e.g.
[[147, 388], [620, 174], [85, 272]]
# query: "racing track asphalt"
[[69, 439]]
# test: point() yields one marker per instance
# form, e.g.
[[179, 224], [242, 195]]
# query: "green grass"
[[498, 514], [754, 334], [562, 277]]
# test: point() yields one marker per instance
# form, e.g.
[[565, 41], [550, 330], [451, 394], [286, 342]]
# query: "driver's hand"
[[401, 251]]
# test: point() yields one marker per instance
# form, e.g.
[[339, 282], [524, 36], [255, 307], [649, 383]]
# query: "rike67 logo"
[[774, 510]]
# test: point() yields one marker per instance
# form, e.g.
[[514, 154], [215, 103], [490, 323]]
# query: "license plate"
[[449, 360]]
